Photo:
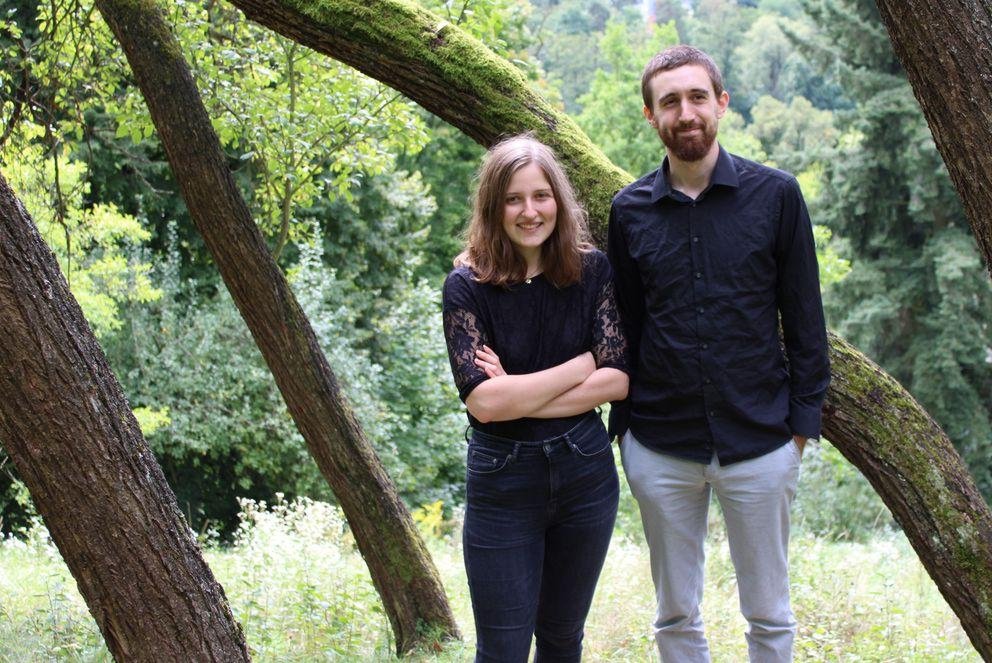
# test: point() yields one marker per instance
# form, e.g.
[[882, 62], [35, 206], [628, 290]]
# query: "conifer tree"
[[917, 299]]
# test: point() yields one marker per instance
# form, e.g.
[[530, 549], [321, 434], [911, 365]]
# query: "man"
[[708, 251]]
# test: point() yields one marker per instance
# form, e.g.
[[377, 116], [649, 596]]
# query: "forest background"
[[362, 196]]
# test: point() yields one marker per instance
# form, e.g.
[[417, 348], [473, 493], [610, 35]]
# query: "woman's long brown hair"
[[489, 252]]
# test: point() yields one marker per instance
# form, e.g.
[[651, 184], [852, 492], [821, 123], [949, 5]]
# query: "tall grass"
[[302, 593]]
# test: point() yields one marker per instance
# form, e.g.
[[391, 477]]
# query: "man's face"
[[686, 111]]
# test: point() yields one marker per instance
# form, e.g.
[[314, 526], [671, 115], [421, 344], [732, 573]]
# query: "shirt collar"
[[724, 173]]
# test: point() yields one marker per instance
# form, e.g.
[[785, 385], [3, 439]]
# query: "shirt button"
[[696, 238], [700, 309], [707, 381], [712, 413], [699, 275], [705, 345]]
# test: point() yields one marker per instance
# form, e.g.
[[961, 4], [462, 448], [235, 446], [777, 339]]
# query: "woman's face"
[[529, 212]]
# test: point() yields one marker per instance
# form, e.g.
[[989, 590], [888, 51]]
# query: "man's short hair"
[[679, 56]]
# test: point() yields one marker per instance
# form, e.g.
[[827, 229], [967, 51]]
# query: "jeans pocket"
[[592, 443], [482, 461]]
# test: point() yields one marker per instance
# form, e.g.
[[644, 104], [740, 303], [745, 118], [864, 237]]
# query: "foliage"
[[795, 136], [502, 25], [917, 299], [395, 377], [151, 420], [568, 44], [375, 238], [720, 27], [430, 519], [43, 617], [228, 433], [303, 126], [787, 8], [95, 245], [448, 162], [952, 365], [769, 62], [57, 52], [834, 501], [611, 110], [833, 268], [302, 593], [763, 62], [296, 586], [736, 139], [315, 146], [16, 508]]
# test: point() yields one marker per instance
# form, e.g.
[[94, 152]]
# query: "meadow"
[[302, 594]]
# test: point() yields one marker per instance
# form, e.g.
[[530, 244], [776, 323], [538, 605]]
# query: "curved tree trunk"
[[400, 566], [873, 421], [913, 465], [946, 49], [449, 73], [76, 444]]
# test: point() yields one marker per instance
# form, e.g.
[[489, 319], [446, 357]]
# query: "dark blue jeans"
[[538, 520]]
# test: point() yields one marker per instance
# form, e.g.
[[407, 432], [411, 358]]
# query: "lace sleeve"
[[464, 333], [463, 336], [609, 343]]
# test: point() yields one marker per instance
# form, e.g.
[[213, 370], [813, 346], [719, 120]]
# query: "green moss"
[[464, 63], [149, 17], [905, 437]]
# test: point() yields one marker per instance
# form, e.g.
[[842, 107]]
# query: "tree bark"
[[914, 467], [400, 566], [874, 422], [76, 444], [946, 49]]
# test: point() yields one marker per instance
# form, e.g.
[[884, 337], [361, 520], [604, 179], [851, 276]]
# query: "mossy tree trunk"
[[913, 465], [873, 421], [401, 568], [946, 49], [76, 444]]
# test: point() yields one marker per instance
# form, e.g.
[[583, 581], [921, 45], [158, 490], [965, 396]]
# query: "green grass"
[[302, 593]]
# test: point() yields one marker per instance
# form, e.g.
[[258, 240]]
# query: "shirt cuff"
[[619, 418], [804, 420], [620, 366], [469, 386]]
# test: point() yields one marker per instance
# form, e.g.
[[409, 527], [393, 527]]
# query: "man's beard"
[[689, 148]]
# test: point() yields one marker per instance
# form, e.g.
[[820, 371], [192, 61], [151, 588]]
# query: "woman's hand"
[[488, 361], [505, 397]]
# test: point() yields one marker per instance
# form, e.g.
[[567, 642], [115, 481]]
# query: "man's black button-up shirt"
[[701, 285]]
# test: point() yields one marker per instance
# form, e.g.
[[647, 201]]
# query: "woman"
[[535, 345]]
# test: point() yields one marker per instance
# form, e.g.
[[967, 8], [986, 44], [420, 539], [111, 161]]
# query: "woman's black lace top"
[[531, 326]]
